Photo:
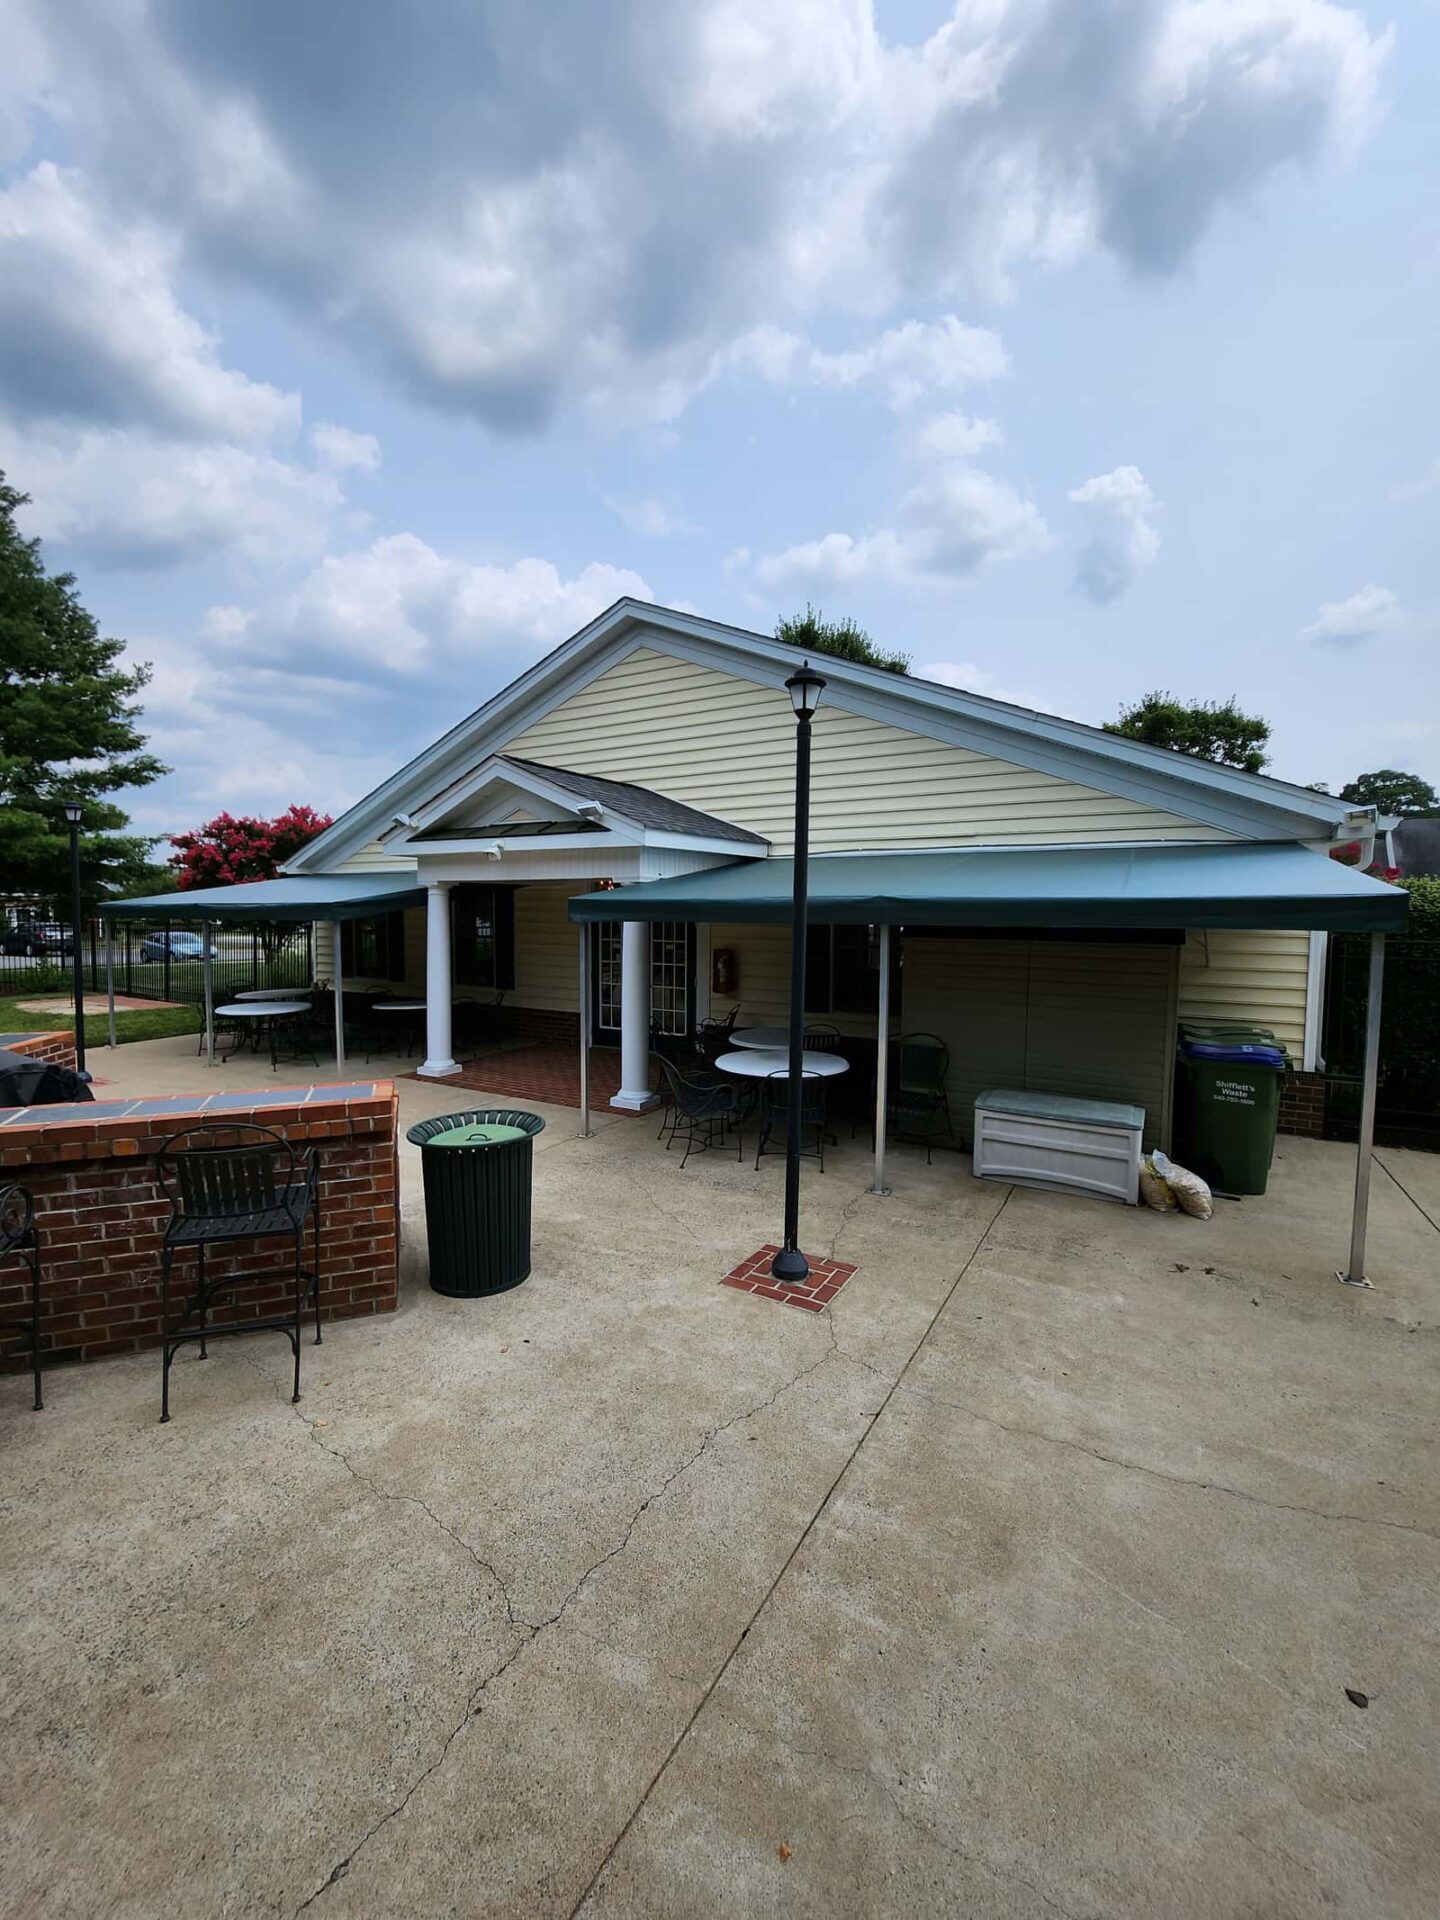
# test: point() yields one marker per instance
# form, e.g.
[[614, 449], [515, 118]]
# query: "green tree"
[[1214, 730], [841, 639], [68, 731], [1391, 791]]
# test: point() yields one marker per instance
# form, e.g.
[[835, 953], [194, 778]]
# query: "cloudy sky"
[[354, 353]]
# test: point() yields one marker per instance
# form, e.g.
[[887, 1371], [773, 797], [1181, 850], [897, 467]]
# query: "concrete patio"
[[1027, 1579]]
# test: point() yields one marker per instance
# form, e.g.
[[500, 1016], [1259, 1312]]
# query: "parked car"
[[181, 946], [38, 938]]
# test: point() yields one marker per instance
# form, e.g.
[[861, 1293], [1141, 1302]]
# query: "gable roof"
[[641, 804], [1249, 804]]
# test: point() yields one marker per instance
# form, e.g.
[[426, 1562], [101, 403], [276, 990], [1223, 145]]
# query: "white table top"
[[397, 1006], [761, 1037], [261, 1009], [268, 993], [758, 1063]]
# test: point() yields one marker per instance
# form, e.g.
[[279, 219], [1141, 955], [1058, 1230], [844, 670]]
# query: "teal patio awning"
[[1230, 884], [310, 896]]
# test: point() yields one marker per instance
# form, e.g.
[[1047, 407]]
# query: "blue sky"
[[354, 355]]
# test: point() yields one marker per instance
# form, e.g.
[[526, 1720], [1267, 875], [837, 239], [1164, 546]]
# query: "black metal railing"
[[1407, 1110], [164, 960]]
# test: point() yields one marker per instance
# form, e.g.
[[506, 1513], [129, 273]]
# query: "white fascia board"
[[704, 843], [482, 842], [1239, 803]]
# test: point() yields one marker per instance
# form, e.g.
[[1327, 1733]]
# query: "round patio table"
[[762, 1037], [397, 1006], [269, 993], [261, 1010], [758, 1063]]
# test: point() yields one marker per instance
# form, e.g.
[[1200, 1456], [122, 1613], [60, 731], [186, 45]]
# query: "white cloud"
[[398, 608], [970, 678], [652, 518], [956, 436], [919, 360], [1118, 509], [539, 206], [91, 330], [1374, 613], [341, 448], [956, 518], [134, 499]]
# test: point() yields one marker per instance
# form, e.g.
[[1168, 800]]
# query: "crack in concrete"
[[530, 1630], [1159, 1473], [857, 1769]]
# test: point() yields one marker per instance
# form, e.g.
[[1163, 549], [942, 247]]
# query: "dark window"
[[373, 949], [483, 936], [842, 970]]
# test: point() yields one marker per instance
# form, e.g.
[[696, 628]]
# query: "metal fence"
[[1408, 1101], [163, 960]]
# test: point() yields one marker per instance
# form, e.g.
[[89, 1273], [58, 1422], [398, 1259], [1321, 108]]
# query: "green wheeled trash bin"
[[1227, 1106], [477, 1169]]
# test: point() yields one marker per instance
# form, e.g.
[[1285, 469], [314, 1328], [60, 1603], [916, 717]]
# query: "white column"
[[634, 1095], [438, 1059], [339, 994]]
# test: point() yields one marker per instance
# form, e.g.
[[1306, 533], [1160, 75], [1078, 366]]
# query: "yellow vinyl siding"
[[1085, 1018], [414, 980], [375, 859], [1253, 975], [713, 741], [762, 955], [547, 950]]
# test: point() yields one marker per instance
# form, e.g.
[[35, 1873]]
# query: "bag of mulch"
[[1188, 1191], [1154, 1188]]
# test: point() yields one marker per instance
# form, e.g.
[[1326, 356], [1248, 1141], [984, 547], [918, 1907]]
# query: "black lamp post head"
[[804, 688], [71, 810]]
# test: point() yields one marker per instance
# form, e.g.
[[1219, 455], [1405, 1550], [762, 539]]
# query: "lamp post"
[[804, 689], [77, 956]]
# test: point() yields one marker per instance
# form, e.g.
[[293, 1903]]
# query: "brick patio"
[[547, 1073]]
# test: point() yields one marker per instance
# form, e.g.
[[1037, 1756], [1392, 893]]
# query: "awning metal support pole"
[[110, 976], [584, 1030], [339, 994], [208, 975], [1354, 1274], [882, 1063]]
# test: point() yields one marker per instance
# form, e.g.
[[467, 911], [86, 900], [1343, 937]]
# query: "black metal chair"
[[18, 1236], [259, 1188], [701, 1109], [713, 1036], [917, 1105], [775, 1116], [476, 1024]]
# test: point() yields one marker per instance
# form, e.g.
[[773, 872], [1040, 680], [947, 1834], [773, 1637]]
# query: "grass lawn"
[[149, 1023]]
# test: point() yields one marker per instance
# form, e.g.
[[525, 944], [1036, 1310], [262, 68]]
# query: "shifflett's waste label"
[[1235, 1093]]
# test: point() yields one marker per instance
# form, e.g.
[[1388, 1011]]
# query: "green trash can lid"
[[475, 1134]]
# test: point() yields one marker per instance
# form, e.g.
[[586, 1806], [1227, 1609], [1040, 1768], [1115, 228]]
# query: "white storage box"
[[1050, 1140]]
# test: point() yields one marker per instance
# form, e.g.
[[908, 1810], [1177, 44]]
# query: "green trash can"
[[477, 1169], [1227, 1105]]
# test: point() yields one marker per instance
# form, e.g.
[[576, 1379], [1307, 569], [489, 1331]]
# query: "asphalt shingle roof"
[[641, 804]]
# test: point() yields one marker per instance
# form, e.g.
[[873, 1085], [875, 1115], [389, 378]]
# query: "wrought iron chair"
[[18, 1236], [775, 1116], [916, 1102], [476, 1024], [713, 1036], [259, 1188], [701, 1109]]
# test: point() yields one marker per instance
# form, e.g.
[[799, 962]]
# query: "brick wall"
[[1302, 1104], [57, 1048], [101, 1216]]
